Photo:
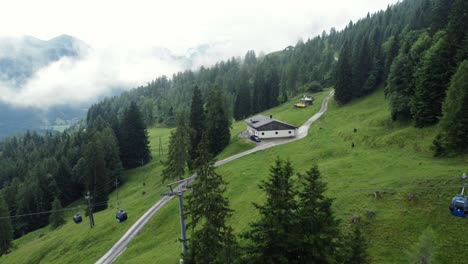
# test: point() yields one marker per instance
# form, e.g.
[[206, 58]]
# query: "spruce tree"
[[456, 33], [400, 86], [270, 238], [56, 217], [242, 105], [218, 121], [211, 239], [133, 139], [96, 174], [6, 229], [196, 123], [357, 246], [111, 153], [178, 155], [317, 232], [431, 84], [425, 249], [344, 79], [453, 137], [260, 89]]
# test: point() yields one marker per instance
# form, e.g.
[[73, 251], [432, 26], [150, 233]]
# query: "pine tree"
[[133, 139], [456, 34], [317, 232], [344, 79], [431, 84], [270, 238], [357, 246], [424, 250], [453, 137], [178, 155], [212, 240], [56, 217], [6, 229], [400, 86], [218, 121], [440, 14], [196, 123], [242, 105], [258, 100], [96, 174], [271, 89], [111, 153], [362, 64]]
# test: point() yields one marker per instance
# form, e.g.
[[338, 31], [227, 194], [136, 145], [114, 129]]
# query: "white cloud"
[[131, 28], [72, 81]]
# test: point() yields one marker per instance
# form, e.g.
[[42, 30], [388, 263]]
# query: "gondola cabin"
[[77, 218], [121, 216], [459, 206]]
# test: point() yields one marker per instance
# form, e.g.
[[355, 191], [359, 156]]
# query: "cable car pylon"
[[180, 194]]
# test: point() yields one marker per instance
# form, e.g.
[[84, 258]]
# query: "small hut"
[[307, 100]]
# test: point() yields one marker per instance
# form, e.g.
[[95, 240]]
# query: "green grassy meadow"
[[391, 158]]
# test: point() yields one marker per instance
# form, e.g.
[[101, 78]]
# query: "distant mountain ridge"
[[21, 57]]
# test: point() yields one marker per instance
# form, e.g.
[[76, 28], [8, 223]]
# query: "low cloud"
[[230, 28], [74, 81]]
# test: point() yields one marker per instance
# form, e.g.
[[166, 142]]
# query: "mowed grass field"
[[391, 158], [141, 188]]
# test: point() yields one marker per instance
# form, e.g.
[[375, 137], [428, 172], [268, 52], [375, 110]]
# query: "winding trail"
[[136, 228]]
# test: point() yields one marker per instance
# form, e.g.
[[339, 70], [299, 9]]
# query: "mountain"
[[21, 57]]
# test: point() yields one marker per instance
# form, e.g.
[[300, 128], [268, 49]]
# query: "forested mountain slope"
[[416, 49]]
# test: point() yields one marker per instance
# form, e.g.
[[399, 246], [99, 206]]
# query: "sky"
[[122, 34]]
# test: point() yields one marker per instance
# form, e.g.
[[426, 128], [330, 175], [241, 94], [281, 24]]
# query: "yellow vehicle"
[[300, 105]]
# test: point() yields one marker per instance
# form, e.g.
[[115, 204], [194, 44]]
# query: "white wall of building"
[[272, 133]]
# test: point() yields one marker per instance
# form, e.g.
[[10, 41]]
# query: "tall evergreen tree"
[[440, 13], [344, 79], [271, 88], [258, 101], [400, 88], [456, 34], [242, 105], [6, 230], [362, 64], [133, 139], [424, 251], [96, 175], [357, 246], [212, 240], [453, 137], [111, 153], [270, 238], [432, 81], [196, 123], [218, 121], [56, 217], [178, 155], [317, 232]]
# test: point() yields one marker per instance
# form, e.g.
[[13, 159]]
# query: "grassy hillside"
[[390, 158], [71, 243]]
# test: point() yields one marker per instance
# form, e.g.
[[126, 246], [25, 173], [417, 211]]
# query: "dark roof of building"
[[261, 120]]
